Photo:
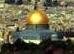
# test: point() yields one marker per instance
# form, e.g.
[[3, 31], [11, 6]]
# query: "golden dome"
[[37, 17]]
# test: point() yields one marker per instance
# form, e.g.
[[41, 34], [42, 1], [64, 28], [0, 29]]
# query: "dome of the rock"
[[37, 17]]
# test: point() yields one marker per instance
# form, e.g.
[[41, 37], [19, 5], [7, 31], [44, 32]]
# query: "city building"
[[40, 28]]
